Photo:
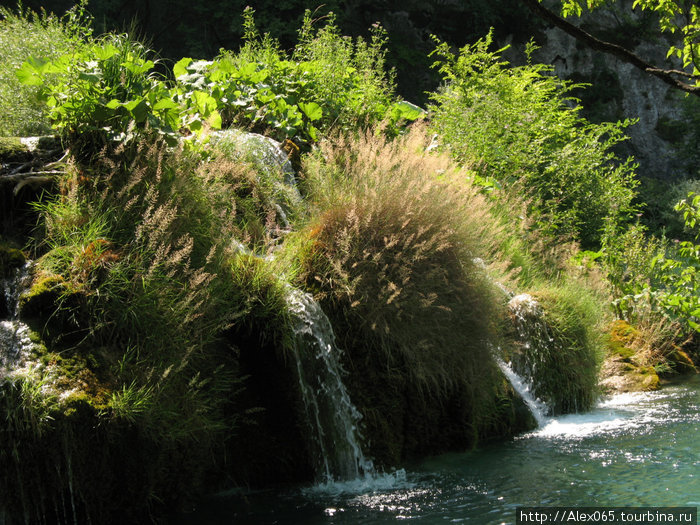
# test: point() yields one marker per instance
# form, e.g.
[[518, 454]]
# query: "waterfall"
[[15, 343], [538, 409], [332, 417], [524, 308], [535, 338]]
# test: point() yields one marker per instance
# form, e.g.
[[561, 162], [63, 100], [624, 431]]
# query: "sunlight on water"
[[638, 449], [622, 413]]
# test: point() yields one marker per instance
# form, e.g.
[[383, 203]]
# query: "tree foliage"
[[680, 18]]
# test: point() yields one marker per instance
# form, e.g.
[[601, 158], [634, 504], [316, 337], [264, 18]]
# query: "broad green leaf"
[[204, 102], [92, 78], [105, 52], [29, 73], [165, 103], [138, 68], [180, 67], [138, 109], [312, 110], [214, 120], [313, 133], [407, 111]]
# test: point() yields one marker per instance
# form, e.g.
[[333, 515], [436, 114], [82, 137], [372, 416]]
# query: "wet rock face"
[[661, 137]]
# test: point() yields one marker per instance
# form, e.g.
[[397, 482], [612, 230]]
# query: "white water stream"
[[15, 343], [332, 417], [537, 407]]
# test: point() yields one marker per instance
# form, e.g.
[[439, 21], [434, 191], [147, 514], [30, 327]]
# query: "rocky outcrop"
[[663, 139]]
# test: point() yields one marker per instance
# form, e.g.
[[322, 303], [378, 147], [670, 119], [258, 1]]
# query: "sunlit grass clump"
[[395, 248], [395, 244]]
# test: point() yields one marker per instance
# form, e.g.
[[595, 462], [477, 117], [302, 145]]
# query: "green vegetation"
[[23, 35], [110, 85], [10, 258], [166, 250], [563, 335], [389, 274], [394, 241], [515, 126]]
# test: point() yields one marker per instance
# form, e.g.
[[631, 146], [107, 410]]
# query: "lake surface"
[[640, 449]]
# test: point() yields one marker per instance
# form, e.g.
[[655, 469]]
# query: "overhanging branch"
[[669, 76]]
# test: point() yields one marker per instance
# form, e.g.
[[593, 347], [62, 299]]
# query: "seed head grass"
[[394, 248]]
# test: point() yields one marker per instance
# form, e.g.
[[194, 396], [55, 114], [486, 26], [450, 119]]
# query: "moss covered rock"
[[558, 346], [10, 258], [680, 362], [622, 371], [12, 149], [54, 308]]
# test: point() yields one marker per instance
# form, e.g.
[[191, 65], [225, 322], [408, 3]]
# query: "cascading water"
[[538, 408], [533, 334], [331, 415], [15, 343]]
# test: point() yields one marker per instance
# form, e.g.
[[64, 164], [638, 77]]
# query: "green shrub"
[[517, 126], [679, 294], [329, 82], [106, 87], [669, 219], [628, 259]]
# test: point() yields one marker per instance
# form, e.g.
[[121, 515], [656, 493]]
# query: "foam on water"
[[626, 412], [368, 483]]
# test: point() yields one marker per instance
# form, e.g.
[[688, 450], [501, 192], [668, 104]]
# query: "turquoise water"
[[633, 450]]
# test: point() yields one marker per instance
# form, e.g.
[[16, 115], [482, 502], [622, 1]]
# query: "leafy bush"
[[23, 35], [107, 86], [669, 219], [110, 85], [517, 126], [680, 270], [653, 284], [329, 82]]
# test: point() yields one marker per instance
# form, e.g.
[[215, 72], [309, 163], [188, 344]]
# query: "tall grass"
[[25, 34], [394, 239], [159, 248]]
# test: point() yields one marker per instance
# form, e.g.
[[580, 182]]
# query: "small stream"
[[15, 343], [640, 449]]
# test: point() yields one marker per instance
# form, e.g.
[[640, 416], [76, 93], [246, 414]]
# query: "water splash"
[[332, 417], [537, 342], [369, 483]]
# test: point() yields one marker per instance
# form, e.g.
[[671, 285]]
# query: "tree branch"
[[620, 52]]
